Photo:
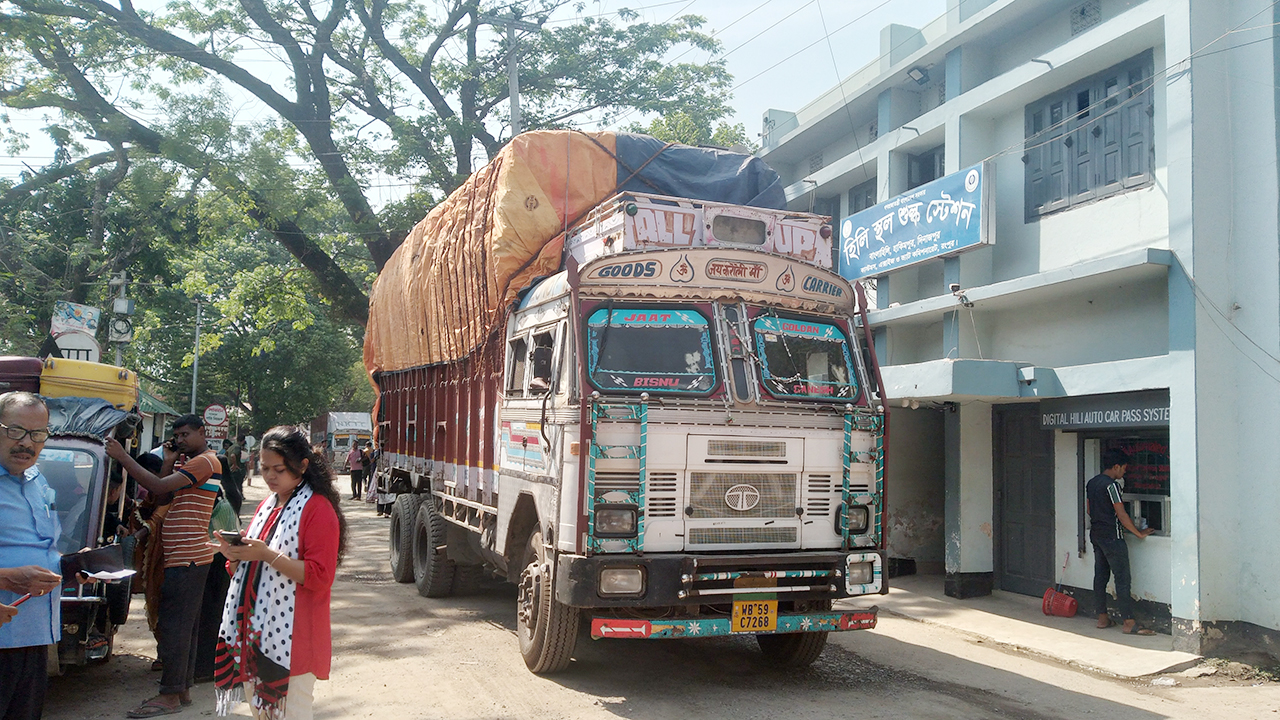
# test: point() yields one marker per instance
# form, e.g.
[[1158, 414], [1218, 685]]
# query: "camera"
[[954, 287]]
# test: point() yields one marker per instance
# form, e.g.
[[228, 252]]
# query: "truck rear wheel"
[[433, 571], [403, 514], [793, 650], [548, 629]]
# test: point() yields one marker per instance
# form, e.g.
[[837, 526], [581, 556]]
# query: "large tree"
[[387, 105]]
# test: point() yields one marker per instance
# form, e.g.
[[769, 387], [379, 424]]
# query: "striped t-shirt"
[[185, 532]]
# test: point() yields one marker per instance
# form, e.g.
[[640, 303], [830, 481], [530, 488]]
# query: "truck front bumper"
[[690, 580], [670, 628]]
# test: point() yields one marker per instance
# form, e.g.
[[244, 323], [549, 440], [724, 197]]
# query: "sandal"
[[1110, 623], [153, 708], [1138, 630]]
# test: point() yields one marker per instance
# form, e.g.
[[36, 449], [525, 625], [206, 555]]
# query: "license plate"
[[753, 616]]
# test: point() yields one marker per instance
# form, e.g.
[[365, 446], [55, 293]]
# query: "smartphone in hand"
[[231, 537]]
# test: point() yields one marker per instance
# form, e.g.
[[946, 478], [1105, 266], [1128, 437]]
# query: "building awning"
[[951, 380], [151, 405]]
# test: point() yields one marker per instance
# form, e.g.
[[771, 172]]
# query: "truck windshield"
[[650, 349], [71, 475], [804, 359]]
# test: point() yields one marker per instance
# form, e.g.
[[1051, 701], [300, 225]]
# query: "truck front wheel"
[[548, 629], [403, 514], [432, 569], [793, 650]]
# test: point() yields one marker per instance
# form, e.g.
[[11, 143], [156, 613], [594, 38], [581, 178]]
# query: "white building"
[[1130, 294]]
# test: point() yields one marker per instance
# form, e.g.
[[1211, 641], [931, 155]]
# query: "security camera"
[[954, 287]]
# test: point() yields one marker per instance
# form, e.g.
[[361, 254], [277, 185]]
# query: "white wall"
[[914, 485]]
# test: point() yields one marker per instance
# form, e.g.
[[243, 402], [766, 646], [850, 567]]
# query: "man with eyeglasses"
[[29, 560]]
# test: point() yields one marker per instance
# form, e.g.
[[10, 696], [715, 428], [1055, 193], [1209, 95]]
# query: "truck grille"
[[707, 490], [736, 536], [746, 448], [660, 494], [819, 500]]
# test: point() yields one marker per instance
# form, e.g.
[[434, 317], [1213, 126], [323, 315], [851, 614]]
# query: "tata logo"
[[742, 497]]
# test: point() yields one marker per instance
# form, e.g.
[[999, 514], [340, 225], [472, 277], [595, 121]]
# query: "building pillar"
[[968, 503]]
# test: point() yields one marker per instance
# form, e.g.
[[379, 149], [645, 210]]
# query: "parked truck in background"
[[337, 432], [655, 413]]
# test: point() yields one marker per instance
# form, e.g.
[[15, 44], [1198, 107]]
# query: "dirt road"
[[397, 655]]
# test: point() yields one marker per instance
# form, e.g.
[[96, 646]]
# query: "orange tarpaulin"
[[449, 284]]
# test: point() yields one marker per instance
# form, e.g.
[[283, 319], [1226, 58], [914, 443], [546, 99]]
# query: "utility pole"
[[512, 24], [119, 327], [195, 364]]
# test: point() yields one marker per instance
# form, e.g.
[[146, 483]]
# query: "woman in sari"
[[275, 639]]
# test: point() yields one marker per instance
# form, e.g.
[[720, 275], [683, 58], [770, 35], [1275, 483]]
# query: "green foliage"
[[267, 158], [682, 127]]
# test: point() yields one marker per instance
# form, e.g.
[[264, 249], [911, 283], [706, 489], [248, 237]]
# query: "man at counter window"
[[29, 560], [1107, 522]]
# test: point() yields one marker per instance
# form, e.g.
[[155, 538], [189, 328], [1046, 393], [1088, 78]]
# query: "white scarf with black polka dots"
[[271, 621]]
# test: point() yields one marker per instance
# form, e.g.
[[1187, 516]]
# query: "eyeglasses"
[[17, 433]]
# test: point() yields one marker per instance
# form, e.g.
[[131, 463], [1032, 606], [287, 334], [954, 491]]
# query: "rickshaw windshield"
[[71, 475]]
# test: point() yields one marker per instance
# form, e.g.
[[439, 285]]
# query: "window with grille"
[[862, 196], [1090, 140]]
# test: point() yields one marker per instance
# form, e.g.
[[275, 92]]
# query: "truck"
[[338, 431], [655, 411]]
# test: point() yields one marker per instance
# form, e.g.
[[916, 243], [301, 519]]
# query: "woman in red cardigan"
[[275, 636]]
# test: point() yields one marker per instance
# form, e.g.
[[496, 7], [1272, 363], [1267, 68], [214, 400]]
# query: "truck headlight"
[[621, 581], [860, 573], [857, 518], [616, 521]]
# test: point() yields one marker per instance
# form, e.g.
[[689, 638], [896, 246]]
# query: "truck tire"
[[466, 578], [547, 629], [403, 513], [792, 650], [433, 571]]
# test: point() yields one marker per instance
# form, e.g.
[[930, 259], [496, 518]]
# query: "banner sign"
[[1147, 409], [74, 316], [944, 217]]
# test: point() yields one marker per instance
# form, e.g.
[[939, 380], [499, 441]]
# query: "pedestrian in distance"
[[184, 544], [1108, 520], [355, 462], [275, 640], [29, 560], [235, 472]]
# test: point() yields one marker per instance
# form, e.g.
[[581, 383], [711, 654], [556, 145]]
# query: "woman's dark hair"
[[294, 447]]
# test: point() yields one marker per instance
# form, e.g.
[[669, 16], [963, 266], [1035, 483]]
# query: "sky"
[[782, 53]]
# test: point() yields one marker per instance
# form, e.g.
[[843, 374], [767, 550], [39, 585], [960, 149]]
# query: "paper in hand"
[[111, 576]]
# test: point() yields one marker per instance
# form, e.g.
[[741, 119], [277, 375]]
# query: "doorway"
[[1024, 541]]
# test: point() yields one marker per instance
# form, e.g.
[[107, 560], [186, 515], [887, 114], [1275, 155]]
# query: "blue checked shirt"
[[29, 532]]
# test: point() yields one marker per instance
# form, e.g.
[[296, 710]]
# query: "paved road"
[[398, 655]]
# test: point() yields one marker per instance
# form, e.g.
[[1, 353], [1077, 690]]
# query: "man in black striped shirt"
[[1107, 522]]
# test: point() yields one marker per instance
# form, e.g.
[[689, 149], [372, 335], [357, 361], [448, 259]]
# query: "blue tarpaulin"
[[698, 173]]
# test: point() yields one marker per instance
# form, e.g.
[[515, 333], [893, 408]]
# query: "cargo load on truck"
[[447, 286], [622, 375]]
